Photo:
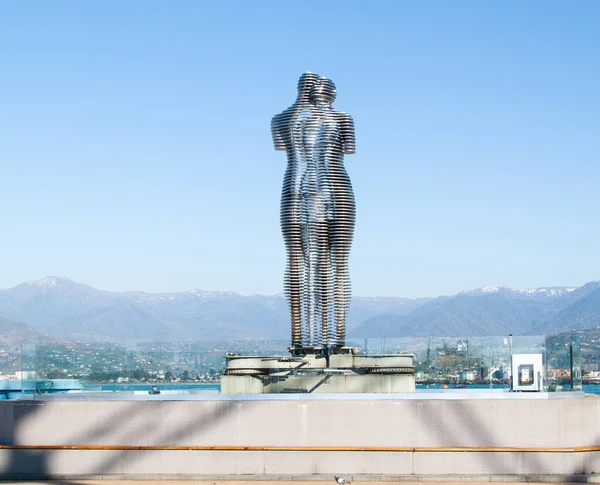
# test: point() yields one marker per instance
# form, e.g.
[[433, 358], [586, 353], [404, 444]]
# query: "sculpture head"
[[305, 84], [323, 91]]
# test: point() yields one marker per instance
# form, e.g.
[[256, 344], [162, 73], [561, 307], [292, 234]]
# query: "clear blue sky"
[[135, 149]]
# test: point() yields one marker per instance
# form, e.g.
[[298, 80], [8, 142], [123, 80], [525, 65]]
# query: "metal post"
[[511, 361], [571, 364]]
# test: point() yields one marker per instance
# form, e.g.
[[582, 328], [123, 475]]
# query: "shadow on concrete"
[[463, 426], [134, 426], [172, 436], [18, 464], [469, 430]]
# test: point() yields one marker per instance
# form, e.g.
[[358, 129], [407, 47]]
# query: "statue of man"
[[317, 213], [281, 130]]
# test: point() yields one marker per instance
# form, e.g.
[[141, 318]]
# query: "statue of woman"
[[331, 209]]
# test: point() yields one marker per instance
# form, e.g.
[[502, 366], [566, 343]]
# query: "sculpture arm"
[[347, 132], [278, 142]]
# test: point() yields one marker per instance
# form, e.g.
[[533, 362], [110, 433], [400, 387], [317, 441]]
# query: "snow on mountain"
[[554, 291], [49, 282], [62, 282], [140, 296]]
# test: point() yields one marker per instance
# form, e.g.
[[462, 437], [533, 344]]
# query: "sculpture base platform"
[[317, 373]]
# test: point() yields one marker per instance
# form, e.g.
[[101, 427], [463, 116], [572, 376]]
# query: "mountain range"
[[63, 309], [494, 311]]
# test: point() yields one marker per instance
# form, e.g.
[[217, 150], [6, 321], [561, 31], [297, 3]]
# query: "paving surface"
[[110, 481]]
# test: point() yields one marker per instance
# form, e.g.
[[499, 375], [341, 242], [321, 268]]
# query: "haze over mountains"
[[60, 308]]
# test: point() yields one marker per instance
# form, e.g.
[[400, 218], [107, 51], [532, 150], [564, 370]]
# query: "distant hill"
[[60, 308], [581, 313], [587, 338], [13, 334], [491, 311], [65, 309]]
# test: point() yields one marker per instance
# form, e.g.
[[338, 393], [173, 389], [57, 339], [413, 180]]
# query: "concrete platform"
[[319, 373]]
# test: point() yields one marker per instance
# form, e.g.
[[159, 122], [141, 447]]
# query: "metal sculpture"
[[317, 214]]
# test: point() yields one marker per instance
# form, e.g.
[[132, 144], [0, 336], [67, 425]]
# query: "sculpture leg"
[[324, 283], [293, 282], [309, 330], [318, 285], [292, 235], [342, 231]]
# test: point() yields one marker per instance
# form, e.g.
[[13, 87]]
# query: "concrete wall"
[[319, 384], [301, 437]]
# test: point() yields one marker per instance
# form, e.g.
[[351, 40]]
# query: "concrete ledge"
[[257, 439]]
